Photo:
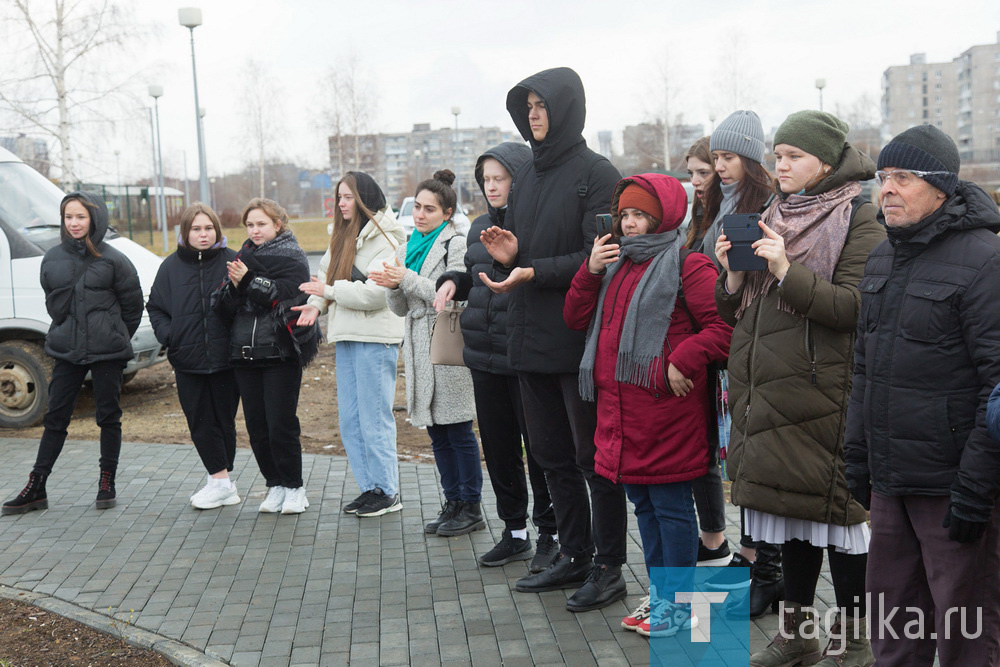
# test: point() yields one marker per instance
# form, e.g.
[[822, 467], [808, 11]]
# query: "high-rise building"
[[399, 161], [961, 97], [34, 152]]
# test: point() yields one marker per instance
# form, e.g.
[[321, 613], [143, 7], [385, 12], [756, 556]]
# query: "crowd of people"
[[852, 370]]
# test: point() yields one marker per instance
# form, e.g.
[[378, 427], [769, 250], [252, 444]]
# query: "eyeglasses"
[[903, 177]]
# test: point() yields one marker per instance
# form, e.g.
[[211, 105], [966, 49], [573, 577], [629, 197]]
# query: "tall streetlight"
[[161, 207], [190, 18], [820, 85], [118, 199], [458, 170]]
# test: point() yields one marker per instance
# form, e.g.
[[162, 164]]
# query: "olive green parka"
[[790, 376]]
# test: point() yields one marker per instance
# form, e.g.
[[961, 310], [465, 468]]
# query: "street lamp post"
[[820, 85], [213, 187], [161, 207], [118, 199], [190, 18], [458, 169]]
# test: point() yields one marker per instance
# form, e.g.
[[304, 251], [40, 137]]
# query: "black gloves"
[[962, 530], [860, 485]]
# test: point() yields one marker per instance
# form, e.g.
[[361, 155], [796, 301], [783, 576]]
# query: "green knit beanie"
[[816, 132]]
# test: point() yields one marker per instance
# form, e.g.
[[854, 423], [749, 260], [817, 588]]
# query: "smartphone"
[[742, 231], [604, 225]]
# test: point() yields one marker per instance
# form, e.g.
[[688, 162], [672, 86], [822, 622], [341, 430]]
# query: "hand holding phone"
[[743, 231]]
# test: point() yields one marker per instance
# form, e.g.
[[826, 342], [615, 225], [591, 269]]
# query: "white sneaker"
[[295, 501], [199, 492], [275, 499], [215, 494]]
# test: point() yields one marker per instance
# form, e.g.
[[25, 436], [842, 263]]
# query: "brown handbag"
[[447, 342]]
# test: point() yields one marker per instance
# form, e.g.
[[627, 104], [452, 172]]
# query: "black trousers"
[[502, 431], [561, 426], [210, 401], [270, 400], [67, 379]]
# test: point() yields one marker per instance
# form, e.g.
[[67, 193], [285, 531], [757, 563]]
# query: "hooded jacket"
[[647, 435], [180, 309], [790, 376], [95, 302], [927, 357], [484, 321], [551, 212], [357, 309]]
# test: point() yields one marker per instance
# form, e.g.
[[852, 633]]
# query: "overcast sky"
[[424, 58]]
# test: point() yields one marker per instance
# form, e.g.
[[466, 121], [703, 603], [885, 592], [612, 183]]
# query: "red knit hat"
[[636, 196]]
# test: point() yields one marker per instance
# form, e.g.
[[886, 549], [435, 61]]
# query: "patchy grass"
[[311, 233]]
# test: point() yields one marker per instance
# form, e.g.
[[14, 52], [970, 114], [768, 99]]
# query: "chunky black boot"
[[106, 498], [448, 510], [32, 497], [604, 586], [565, 572], [767, 586], [468, 518]]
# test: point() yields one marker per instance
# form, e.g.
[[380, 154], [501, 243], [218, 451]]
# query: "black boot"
[[106, 490], [767, 586], [468, 518], [448, 510], [32, 497], [565, 572], [604, 586]]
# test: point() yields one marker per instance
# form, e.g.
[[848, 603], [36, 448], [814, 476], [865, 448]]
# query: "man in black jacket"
[[926, 358], [550, 226]]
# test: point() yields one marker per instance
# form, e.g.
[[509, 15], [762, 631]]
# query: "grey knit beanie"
[[924, 148], [740, 133], [816, 132]]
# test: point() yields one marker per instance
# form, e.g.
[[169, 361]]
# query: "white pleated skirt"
[[764, 527]]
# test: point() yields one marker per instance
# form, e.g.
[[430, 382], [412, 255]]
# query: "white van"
[[29, 219]]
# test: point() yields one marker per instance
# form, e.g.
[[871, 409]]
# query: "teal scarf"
[[419, 245]]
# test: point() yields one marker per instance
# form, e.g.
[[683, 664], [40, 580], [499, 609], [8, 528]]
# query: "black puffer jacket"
[[484, 321], [552, 212], [262, 326], [95, 302], [927, 357], [180, 309]]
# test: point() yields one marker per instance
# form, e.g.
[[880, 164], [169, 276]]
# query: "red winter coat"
[[649, 435]]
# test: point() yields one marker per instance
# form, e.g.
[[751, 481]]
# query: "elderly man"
[[926, 359]]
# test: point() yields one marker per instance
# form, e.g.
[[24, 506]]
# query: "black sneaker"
[[713, 557], [565, 572], [734, 576], [508, 549], [605, 585], [357, 503], [379, 503], [106, 497], [546, 548]]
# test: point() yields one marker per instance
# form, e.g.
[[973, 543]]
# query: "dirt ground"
[[32, 636], [152, 413]]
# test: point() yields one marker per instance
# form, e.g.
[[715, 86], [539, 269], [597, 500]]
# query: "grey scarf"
[[712, 234], [648, 315]]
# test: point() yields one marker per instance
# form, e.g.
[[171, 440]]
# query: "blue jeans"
[[366, 389], [456, 453], [667, 524]]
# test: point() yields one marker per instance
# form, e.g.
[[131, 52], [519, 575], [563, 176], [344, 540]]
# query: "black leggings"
[[801, 567]]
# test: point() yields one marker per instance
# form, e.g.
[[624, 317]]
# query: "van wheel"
[[25, 371]]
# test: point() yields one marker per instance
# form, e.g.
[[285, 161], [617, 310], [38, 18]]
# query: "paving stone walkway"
[[321, 588]]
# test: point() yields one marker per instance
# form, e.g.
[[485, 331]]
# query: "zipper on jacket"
[[750, 388], [810, 353], [253, 333]]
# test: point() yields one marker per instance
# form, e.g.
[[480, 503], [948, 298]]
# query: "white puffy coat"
[[358, 310]]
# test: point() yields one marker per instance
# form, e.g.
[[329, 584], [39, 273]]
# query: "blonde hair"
[[271, 208]]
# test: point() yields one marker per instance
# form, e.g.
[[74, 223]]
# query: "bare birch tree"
[[348, 111], [261, 103], [54, 79]]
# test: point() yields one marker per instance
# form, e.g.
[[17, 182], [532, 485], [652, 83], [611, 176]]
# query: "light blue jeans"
[[366, 389]]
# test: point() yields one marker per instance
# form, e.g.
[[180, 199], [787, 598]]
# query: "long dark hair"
[[702, 215], [753, 192], [91, 210]]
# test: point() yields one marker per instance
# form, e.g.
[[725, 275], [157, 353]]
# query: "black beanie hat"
[[924, 148], [369, 191]]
